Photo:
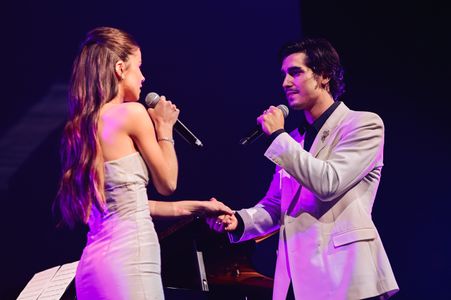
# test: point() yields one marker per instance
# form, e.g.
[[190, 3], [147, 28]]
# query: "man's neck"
[[318, 109]]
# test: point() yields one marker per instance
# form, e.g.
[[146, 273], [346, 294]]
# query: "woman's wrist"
[[165, 134]]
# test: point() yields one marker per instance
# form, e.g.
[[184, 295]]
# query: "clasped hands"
[[222, 222]]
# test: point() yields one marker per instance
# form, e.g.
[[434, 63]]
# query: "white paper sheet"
[[49, 284]]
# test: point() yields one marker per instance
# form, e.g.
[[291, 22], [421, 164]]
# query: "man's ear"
[[119, 69], [325, 82]]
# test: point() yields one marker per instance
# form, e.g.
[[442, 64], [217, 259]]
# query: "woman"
[[110, 144]]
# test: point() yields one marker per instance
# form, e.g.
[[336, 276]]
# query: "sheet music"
[[60, 282], [37, 284], [49, 284]]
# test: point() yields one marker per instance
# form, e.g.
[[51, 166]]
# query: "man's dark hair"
[[322, 58]]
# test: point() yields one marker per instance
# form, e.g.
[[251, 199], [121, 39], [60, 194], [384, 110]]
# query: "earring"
[[122, 76]]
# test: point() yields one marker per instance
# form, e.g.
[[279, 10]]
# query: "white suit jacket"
[[321, 201]]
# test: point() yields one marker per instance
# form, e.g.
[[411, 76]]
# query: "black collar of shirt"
[[311, 131], [318, 123]]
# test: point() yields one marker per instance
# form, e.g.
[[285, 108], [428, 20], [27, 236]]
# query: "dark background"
[[218, 62]]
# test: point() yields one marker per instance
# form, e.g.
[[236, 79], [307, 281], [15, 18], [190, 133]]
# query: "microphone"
[[152, 100], [257, 131]]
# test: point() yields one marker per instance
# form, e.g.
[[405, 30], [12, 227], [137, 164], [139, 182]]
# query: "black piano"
[[198, 263]]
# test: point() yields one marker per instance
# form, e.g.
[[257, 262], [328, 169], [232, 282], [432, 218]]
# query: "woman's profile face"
[[133, 78]]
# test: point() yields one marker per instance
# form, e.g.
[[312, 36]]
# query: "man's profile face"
[[300, 83]]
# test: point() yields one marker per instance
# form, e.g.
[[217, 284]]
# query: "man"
[[323, 190]]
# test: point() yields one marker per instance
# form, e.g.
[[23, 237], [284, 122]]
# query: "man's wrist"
[[240, 226], [274, 135]]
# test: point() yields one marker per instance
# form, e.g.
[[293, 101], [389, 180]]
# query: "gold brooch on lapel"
[[324, 136]]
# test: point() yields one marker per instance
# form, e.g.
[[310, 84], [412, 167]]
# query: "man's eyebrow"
[[295, 68], [291, 69]]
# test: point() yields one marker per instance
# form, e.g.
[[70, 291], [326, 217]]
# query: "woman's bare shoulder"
[[133, 109], [126, 115], [124, 111], [136, 116]]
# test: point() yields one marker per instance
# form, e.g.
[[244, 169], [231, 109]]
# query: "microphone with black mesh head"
[[152, 100]]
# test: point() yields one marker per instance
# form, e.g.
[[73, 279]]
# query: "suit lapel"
[[300, 138], [328, 129], [295, 205]]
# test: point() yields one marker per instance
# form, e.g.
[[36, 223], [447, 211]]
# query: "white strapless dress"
[[122, 257]]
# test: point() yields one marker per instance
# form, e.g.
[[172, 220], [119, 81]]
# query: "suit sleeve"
[[357, 151], [264, 217]]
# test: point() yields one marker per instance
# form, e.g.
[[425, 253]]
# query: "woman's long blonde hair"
[[93, 83]]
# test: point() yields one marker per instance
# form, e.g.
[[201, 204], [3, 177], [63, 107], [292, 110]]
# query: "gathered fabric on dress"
[[121, 259]]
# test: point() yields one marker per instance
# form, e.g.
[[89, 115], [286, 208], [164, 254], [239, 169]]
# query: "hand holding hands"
[[215, 208], [223, 223]]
